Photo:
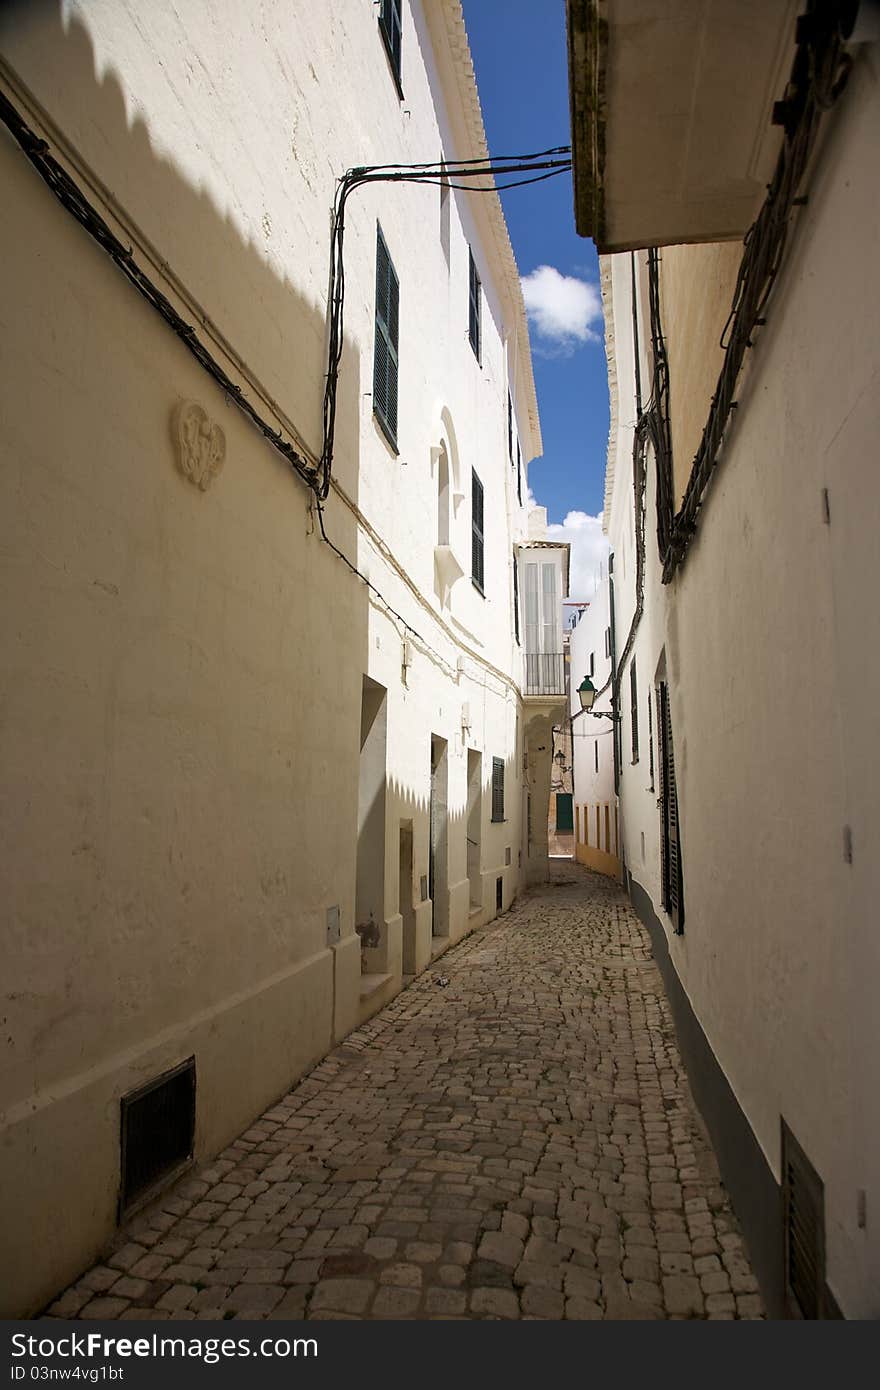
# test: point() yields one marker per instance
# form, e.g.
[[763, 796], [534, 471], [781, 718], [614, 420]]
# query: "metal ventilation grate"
[[158, 1126], [803, 1214]]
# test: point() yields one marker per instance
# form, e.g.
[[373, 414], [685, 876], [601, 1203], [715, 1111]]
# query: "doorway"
[[372, 786], [438, 841], [475, 827]]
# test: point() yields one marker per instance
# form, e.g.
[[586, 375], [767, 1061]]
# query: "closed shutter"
[[497, 789], [672, 877], [510, 428], [518, 473], [385, 361], [390, 26], [477, 531], [634, 710], [515, 599], [473, 305]]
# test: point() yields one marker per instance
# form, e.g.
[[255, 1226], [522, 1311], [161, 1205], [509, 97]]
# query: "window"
[[518, 473], [473, 305], [650, 743], [385, 347], [634, 710], [390, 27], [670, 843], [592, 663], [515, 599], [497, 789], [477, 531], [510, 428], [596, 752]]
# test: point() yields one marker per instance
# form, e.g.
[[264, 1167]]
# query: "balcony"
[[671, 116], [543, 673]]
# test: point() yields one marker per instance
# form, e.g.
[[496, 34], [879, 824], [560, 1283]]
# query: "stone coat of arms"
[[200, 444]]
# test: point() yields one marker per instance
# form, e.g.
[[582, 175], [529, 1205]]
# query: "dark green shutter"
[[670, 841], [473, 305], [634, 710], [515, 598], [477, 530], [564, 812], [391, 27], [497, 789], [385, 350]]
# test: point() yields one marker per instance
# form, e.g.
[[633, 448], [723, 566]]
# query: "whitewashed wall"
[[183, 670], [770, 641]]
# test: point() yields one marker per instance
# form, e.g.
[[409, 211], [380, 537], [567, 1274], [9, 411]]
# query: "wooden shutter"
[[497, 789], [385, 360], [391, 27], [473, 305], [515, 598], [634, 709], [477, 529], [672, 878]]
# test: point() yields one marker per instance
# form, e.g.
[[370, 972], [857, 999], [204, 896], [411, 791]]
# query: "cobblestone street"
[[519, 1142]]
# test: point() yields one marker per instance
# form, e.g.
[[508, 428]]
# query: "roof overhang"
[[671, 115]]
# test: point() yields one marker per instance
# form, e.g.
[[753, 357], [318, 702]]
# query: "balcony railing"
[[544, 673]]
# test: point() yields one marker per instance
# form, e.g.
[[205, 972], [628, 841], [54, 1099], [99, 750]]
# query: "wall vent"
[[507, 855], [803, 1216], [157, 1130]]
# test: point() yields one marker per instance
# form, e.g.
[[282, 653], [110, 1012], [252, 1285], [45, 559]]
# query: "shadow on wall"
[[182, 683]]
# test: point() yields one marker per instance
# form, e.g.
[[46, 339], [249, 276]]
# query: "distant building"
[[596, 827]]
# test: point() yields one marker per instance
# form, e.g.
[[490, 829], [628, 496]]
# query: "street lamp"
[[587, 692]]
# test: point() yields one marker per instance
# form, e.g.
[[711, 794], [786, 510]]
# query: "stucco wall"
[[183, 669], [769, 640], [696, 291]]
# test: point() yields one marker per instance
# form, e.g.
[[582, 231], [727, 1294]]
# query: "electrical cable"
[[819, 74], [74, 200]]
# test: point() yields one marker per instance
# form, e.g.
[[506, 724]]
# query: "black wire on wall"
[[819, 73], [540, 166]]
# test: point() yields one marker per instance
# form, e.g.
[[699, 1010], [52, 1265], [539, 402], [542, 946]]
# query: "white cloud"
[[589, 549], [565, 311]]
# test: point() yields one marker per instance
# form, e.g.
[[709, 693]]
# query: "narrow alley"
[[512, 1137]]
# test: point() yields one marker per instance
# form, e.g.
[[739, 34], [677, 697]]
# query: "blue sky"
[[521, 68]]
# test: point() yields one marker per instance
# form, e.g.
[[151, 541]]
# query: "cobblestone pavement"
[[519, 1143]]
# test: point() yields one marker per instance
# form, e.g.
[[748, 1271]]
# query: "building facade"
[[263, 759], [594, 779], [742, 510]]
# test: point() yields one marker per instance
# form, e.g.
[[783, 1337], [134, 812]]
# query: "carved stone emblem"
[[200, 444]]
